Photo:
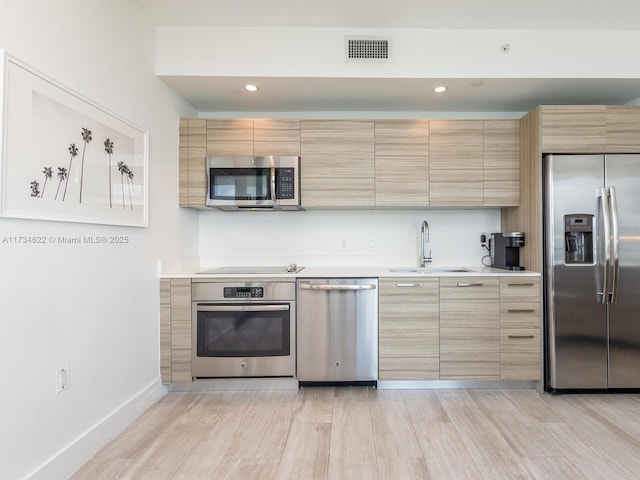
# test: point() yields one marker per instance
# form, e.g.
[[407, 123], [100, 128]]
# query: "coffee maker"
[[505, 250]]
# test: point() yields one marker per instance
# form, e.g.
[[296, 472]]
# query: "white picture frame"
[[65, 158]]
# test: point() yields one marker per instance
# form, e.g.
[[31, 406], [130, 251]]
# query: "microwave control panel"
[[243, 292], [285, 183]]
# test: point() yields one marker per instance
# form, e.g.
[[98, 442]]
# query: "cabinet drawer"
[[519, 290], [520, 353], [520, 315], [409, 286], [469, 288]]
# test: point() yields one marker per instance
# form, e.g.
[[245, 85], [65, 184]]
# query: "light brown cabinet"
[[501, 167], [401, 150], [623, 129], [175, 330], [456, 175], [520, 328], [409, 335], [365, 163], [201, 137], [337, 166], [573, 128], [590, 129], [193, 150], [469, 328]]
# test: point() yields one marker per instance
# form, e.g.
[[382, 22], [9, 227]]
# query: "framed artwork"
[[64, 158]]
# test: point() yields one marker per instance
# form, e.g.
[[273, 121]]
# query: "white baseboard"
[[73, 456]]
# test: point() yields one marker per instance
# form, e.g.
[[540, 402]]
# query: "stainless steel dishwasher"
[[337, 330]]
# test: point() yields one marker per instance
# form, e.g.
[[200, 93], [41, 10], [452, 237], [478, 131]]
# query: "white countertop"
[[381, 272]]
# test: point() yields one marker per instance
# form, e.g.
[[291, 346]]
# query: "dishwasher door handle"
[[367, 286]]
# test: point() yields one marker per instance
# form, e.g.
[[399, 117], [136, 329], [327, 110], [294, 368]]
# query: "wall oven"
[[243, 329], [253, 183]]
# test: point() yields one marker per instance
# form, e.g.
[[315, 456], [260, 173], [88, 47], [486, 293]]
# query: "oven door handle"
[[242, 308]]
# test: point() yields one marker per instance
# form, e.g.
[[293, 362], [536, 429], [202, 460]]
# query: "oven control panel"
[[243, 292]]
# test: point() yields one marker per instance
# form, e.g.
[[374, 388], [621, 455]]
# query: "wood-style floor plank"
[[362, 433]]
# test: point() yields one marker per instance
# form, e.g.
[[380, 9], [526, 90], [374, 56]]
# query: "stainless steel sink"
[[430, 270]]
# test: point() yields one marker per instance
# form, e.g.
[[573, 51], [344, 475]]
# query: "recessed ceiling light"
[[250, 88], [440, 89]]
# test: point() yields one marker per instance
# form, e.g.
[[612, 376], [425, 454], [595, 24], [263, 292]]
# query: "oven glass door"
[[243, 330], [240, 183]]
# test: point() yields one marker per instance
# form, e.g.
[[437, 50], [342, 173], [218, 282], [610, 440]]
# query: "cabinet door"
[[402, 163], [409, 329], [165, 330], [230, 137], [520, 328], [469, 328], [196, 153], [276, 137], [456, 175], [573, 128], [337, 167], [623, 129], [180, 330], [501, 163]]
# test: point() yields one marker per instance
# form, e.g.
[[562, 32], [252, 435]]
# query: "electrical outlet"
[[62, 379], [344, 244]]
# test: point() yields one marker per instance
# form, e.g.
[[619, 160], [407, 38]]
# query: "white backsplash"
[[343, 238]]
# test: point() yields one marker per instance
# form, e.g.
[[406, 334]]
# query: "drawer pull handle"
[[520, 284], [520, 336], [408, 285], [520, 310], [469, 284]]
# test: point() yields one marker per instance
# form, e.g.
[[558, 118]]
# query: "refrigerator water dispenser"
[[578, 239]]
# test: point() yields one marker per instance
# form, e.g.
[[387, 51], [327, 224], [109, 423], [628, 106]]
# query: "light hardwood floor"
[[363, 433]]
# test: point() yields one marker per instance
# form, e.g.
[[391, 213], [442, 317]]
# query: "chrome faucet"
[[424, 239]]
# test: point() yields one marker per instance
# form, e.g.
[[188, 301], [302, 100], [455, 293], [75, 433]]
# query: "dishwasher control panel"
[[243, 292]]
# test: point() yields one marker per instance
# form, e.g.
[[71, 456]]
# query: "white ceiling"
[[221, 93]]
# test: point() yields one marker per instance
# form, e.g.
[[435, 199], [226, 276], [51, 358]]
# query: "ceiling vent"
[[367, 49]]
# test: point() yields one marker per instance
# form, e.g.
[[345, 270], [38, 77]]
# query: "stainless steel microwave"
[[253, 183]]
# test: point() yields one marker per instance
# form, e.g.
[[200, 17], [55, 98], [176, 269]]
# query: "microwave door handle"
[[615, 245], [604, 236], [273, 184]]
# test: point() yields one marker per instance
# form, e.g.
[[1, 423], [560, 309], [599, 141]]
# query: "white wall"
[[417, 53], [343, 238], [94, 308]]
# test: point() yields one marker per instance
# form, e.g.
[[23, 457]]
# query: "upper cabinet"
[[201, 137], [276, 137], [337, 166], [193, 150], [623, 129], [573, 128], [590, 129], [366, 163], [501, 163], [456, 163], [401, 148]]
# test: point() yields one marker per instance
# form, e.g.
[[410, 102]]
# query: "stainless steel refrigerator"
[[592, 271]]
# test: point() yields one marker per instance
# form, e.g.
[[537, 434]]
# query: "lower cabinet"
[[175, 330], [520, 328], [469, 328], [409, 334], [460, 328]]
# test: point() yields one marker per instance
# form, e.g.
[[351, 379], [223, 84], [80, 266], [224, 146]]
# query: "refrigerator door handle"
[[605, 215], [615, 245]]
